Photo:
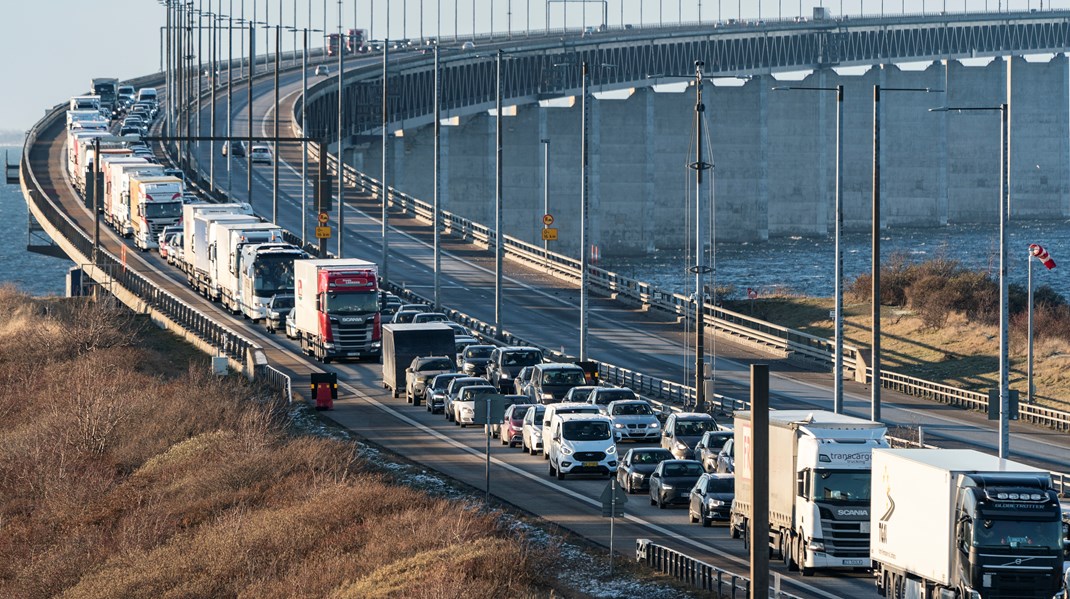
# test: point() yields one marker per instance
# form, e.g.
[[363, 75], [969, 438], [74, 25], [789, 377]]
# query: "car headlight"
[[714, 502], [566, 450], [618, 425], [655, 425], [505, 375], [536, 433], [680, 446], [547, 395], [667, 487], [467, 411]]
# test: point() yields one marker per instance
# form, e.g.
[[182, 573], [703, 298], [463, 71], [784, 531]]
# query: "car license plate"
[[854, 562], [590, 464]]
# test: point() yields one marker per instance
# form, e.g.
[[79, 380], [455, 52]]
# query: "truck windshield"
[[1017, 533], [163, 209], [352, 302], [839, 485], [273, 274]]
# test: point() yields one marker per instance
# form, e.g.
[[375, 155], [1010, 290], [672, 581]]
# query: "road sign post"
[[491, 409], [613, 499]]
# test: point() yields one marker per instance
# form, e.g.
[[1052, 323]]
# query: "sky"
[[52, 48]]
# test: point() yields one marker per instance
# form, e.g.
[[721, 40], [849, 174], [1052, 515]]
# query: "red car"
[[512, 428]]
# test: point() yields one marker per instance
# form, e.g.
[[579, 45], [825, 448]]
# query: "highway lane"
[[543, 309]]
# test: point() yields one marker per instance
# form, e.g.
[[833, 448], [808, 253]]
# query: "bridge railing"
[[697, 573]]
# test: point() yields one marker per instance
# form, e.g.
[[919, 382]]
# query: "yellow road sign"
[[323, 232], [549, 234], [323, 218]]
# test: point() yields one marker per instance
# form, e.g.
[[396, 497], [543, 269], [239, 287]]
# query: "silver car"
[[634, 420]]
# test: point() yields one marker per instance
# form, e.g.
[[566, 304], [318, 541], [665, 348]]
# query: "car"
[[464, 402], [291, 327], [709, 447], [454, 388], [260, 154], [511, 430], [322, 70], [520, 383], [726, 458], [130, 130], [634, 420], [461, 342], [506, 362], [280, 305], [561, 408], [388, 303], [467, 46], [550, 382], [633, 474], [403, 316], [474, 359], [176, 173], [711, 498], [238, 146], [174, 248], [435, 391], [683, 430], [579, 394], [531, 431], [417, 307], [165, 234], [459, 330], [672, 481], [420, 372], [582, 444], [494, 429], [602, 396], [423, 317]]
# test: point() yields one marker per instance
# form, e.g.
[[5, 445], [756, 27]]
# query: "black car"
[[475, 358], [711, 498], [506, 362], [277, 309], [672, 481], [633, 473], [709, 447], [435, 392]]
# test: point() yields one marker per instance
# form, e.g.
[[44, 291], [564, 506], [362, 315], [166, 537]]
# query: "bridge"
[[634, 328]]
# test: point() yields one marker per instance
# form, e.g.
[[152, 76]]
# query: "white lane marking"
[[573, 494]]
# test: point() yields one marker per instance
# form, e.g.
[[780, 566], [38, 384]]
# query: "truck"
[[336, 308], [189, 216], [819, 486], [355, 41], [155, 203], [198, 255], [404, 342], [85, 103], [117, 197], [107, 88], [961, 524], [334, 44], [266, 270], [225, 241]]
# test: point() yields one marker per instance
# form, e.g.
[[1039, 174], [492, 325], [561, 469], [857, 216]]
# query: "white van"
[[582, 444], [146, 94], [561, 408]]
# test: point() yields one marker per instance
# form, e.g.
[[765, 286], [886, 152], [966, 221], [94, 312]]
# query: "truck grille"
[[1017, 585], [349, 336], [845, 538], [589, 456]]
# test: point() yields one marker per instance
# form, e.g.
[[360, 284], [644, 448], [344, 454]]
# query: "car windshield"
[[163, 209], [283, 302], [632, 409], [540, 411], [604, 396], [686, 469], [436, 364], [431, 317], [522, 358], [585, 430], [721, 485], [693, 428], [273, 274], [1017, 533], [579, 394], [404, 317], [469, 393], [441, 382], [351, 302], [845, 485], [563, 377], [650, 457], [716, 442], [518, 412], [479, 351]]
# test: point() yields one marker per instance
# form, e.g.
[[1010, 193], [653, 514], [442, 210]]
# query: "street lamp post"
[[435, 218], [341, 150], [545, 191], [875, 256], [1004, 305], [384, 186], [837, 368], [498, 244], [584, 202], [700, 269]]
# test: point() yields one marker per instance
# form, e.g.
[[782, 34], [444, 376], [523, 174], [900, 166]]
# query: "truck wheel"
[[800, 554], [787, 551]]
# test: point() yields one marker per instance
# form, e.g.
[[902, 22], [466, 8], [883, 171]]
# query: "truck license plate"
[[590, 464], [854, 562]]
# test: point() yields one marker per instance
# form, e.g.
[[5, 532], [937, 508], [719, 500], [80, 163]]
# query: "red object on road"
[[324, 397], [1042, 254]]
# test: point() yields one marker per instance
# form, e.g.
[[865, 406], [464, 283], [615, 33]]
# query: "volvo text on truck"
[[336, 308], [961, 524], [819, 486]]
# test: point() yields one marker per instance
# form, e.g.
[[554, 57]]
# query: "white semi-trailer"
[[266, 269], [196, 218], [819, 487], [224, 253], [961, 524]]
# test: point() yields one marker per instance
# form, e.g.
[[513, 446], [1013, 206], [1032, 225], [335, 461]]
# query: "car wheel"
[[552, 471], [706, 520], [652, 500], [560, 475], [661, 502]]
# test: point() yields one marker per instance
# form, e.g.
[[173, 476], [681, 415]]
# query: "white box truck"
[[201, 258], [195, 224], [266, 269], [819, 486], [961, 524], [336, 308], [225, 240]]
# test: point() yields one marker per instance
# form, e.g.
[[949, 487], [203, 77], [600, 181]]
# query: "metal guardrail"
[[698, 573], [278, 380]]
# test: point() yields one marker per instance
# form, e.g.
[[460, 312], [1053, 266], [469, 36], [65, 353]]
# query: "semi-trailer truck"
[[155, 203], [961, 524], [336, 308], [199, 266], [819, 486], [267, 269], [107, 89], [226, 240], [117, 172], [189, 215]]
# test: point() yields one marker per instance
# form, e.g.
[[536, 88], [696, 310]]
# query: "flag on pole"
[[1042, 254]]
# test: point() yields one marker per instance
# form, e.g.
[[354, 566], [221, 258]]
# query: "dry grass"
[[119, 481]]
